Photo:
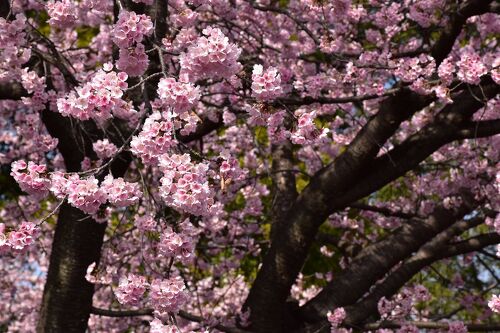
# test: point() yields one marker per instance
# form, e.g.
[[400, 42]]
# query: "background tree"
[[249, 166]]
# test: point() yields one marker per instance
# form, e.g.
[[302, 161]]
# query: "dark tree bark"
[[338, 185], [67, 297]]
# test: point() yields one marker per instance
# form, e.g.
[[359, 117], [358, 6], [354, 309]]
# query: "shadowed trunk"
[[67, 297]]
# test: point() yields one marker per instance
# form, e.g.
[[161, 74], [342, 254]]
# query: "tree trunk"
[[67, 297]]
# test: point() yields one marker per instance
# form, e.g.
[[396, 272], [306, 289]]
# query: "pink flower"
[[155, 139], [336, 317], [168, 295], [121, 193], [471, 68], [104, 149], [184, 184], [63, 14], [85, 194], [176, 245], [133, 61], [266, 85], [29, 177], [156, 326], [24, 236], [97, 99], [180, 96], [145, 223], [131, 29], [210, 56], [494, 303], [131, 289], [457, 327], [307, 132]]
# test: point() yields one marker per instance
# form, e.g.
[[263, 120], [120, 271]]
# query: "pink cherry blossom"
[[168, 296], [131, 289]]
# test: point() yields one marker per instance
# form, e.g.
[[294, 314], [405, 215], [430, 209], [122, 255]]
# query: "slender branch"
[[333, 100], [149, 312], [382, 210], [432, 325]]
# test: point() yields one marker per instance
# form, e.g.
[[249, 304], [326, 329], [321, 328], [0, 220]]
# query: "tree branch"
[[434, 250], [432, 325], [12, 90], [376, 260], [149, 312], [382, 210], [449, 34]]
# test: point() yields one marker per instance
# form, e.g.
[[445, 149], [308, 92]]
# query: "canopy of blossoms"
[[249, 166]]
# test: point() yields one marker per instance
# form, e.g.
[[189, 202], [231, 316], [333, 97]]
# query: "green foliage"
[[41, 18], [85, 35]]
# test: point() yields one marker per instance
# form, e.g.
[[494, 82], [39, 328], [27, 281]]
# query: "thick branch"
[[289, 248], [352, 176], [479, 129], [433, 251], [376, 260], [451, 31], [285, 191], [12, 90], [447, 127]]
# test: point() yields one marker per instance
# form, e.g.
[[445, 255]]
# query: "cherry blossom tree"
[[249, 166]]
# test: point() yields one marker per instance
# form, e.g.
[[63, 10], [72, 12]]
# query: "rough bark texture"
[[357, 173], [376, 260], [67, 297]]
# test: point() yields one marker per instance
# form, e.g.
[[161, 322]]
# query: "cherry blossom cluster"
[[145, 223], [180, 96], [131, 28], [104, 149], [133, 61], [88, 195], [13, 32], [128, 34], [131, 289], [63, 14], [154, 140], [176, 245], [336, 317], [167, 296], [230, 170], [84, 194], [184, 184], [402, 303], [31, 178], [457, 327], [471, 68], [410, 69], [98, 99], [156, 326], [210, 56], [20, 239], [266, 85], [494, 303], [423, 12], [121, 193], [12, 46], [185, 18], [307, 132]]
